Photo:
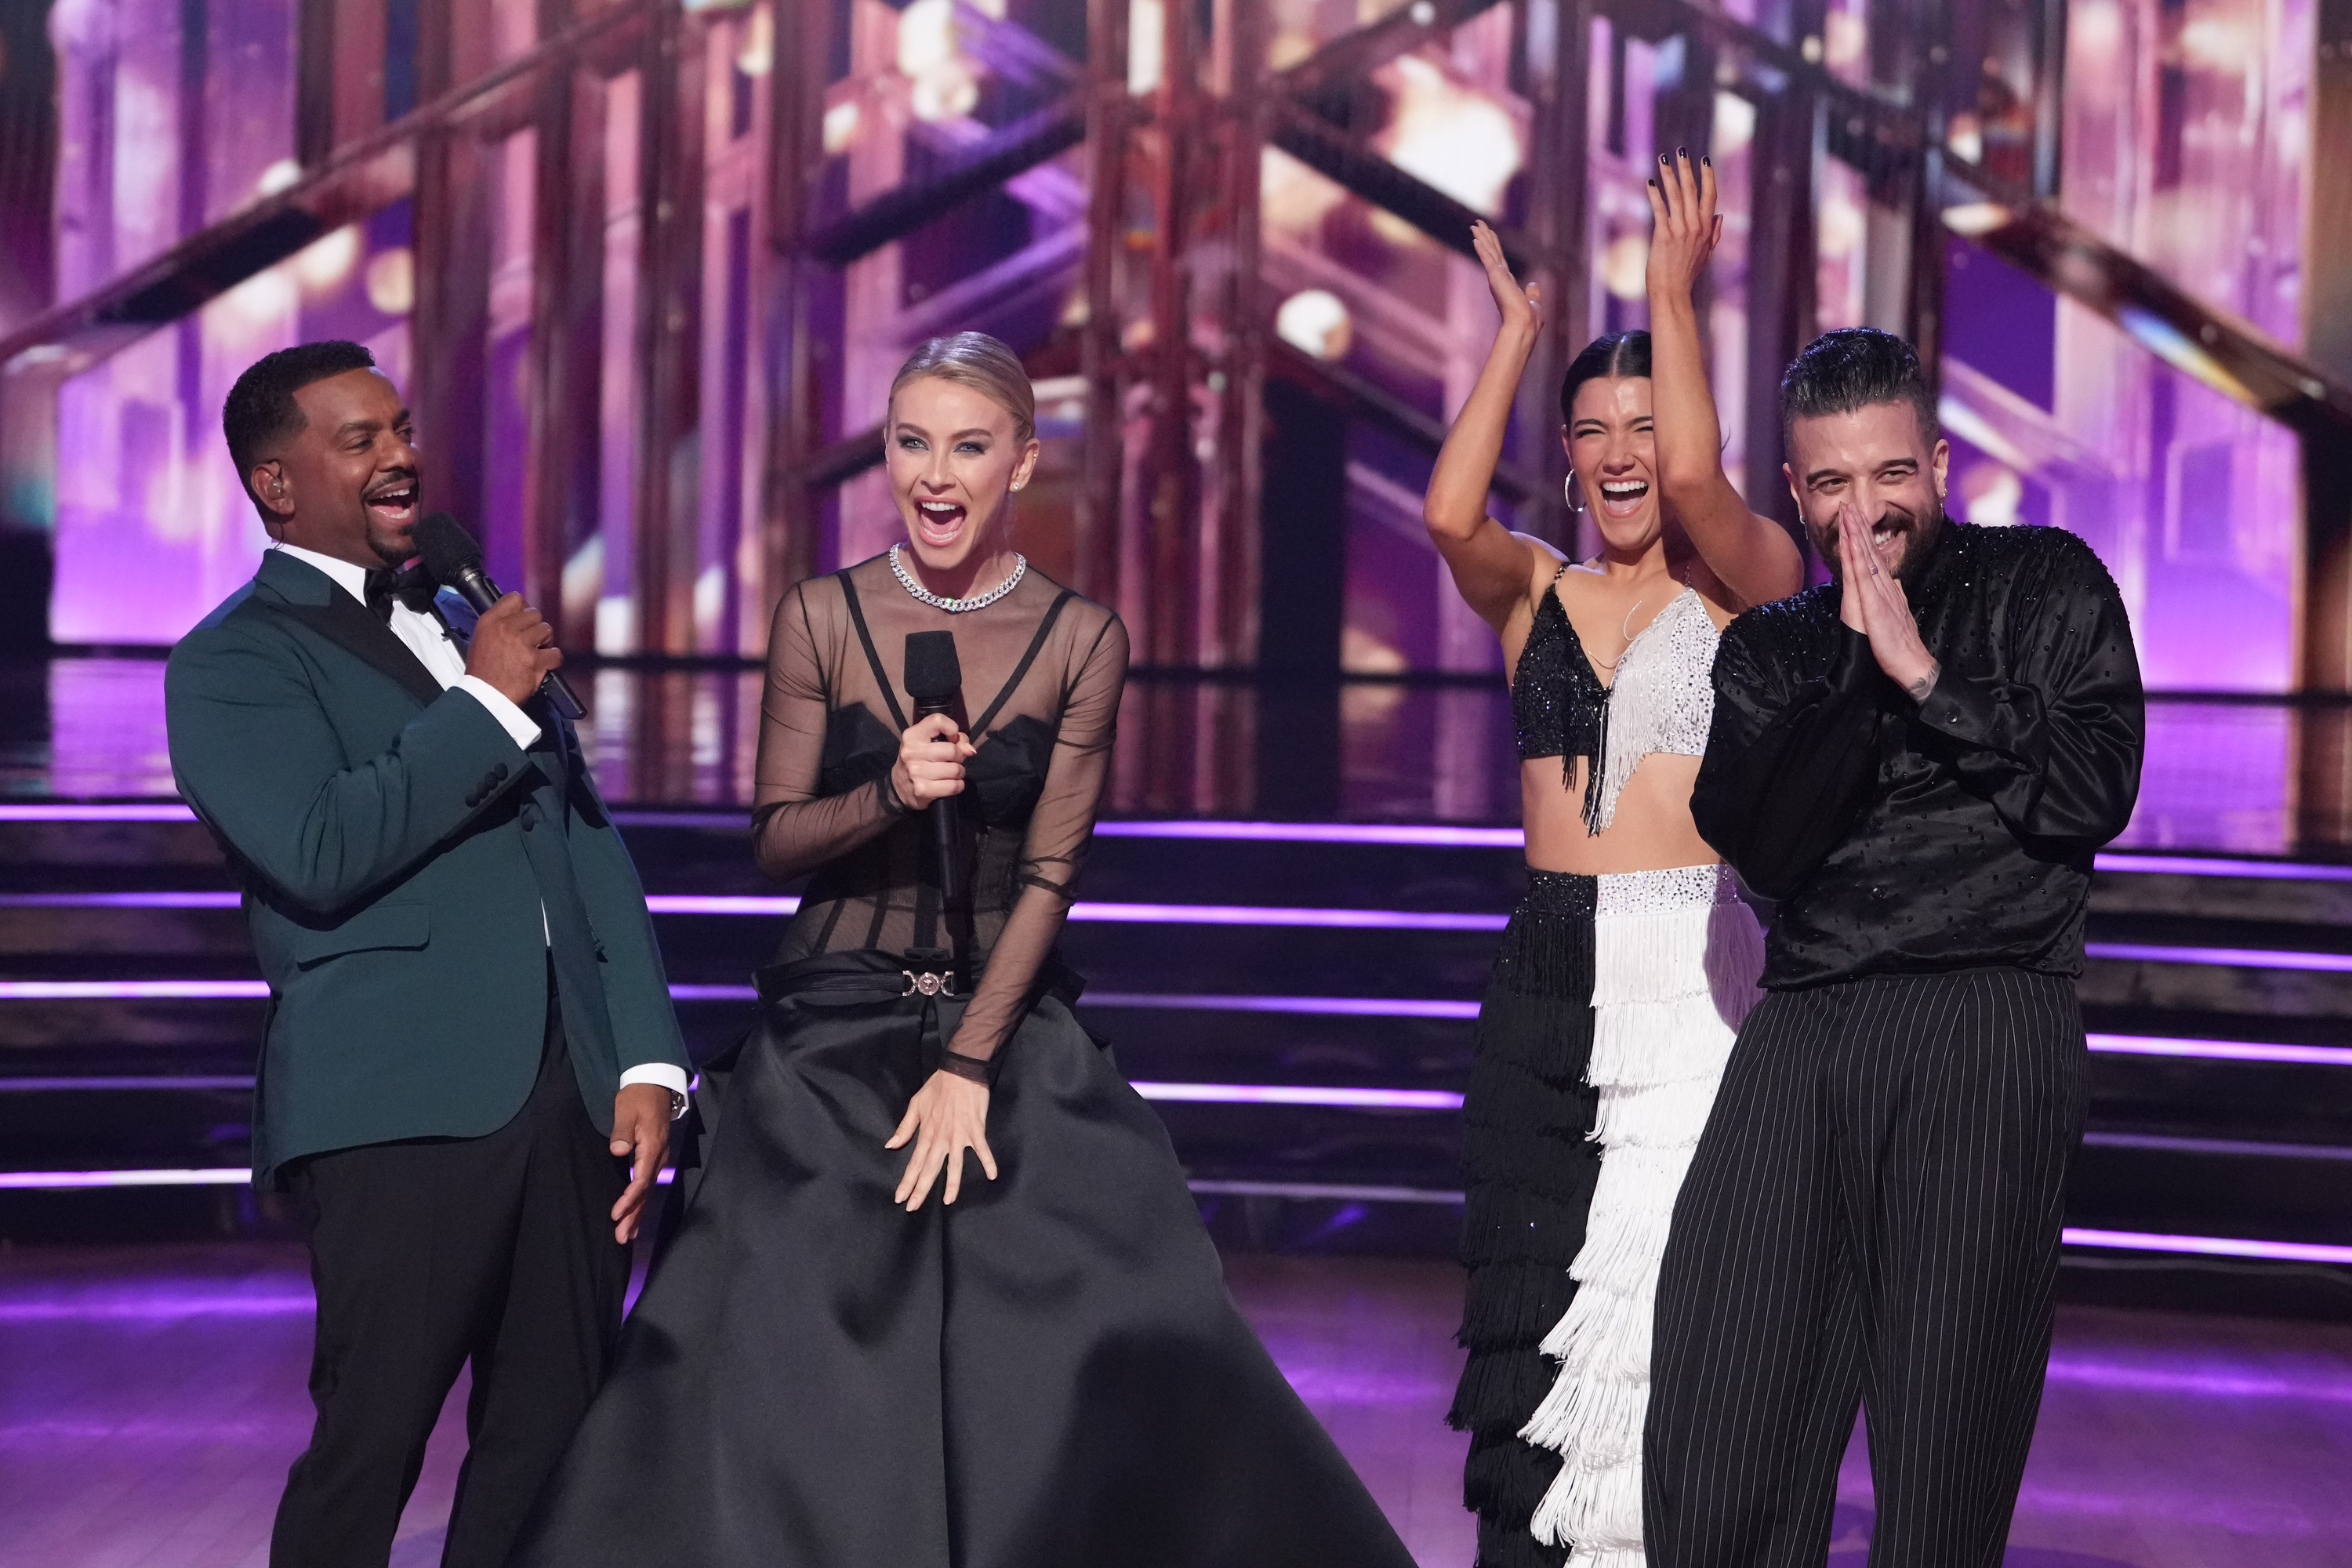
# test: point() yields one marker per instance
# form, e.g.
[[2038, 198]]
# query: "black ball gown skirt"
[[1049, 1373]]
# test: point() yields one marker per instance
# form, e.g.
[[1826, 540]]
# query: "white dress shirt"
[[435, 647]]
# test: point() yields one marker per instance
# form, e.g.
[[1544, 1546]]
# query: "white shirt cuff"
[[670, 1075], [511, 718]]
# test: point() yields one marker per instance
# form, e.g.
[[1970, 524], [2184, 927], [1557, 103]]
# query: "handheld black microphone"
[[454, 560], [934, 675]]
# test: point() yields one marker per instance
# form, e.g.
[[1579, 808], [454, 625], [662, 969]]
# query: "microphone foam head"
[[447, 549], [933, 672]]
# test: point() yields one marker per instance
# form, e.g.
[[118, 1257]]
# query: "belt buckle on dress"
[[927, 983]]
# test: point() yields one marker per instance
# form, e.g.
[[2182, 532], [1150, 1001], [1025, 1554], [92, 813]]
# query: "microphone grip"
[[947, 820], [478, 591]]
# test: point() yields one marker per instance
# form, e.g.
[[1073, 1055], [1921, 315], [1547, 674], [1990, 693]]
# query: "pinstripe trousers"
[[1872, 1217]]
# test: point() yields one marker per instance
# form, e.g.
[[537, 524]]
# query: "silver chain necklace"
[[958, 607]]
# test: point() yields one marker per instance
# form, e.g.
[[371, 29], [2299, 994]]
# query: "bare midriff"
[[1651, 830]]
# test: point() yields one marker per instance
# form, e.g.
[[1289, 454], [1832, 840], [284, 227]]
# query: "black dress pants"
[[426, 1254], [1873, 1214]]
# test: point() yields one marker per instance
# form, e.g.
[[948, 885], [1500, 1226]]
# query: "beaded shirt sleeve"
[[1054, 846], [2054, 743], [1789, 764], [795, 828]]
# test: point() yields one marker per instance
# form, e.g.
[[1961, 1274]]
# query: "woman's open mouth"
[[1623, 498], [938, 523]]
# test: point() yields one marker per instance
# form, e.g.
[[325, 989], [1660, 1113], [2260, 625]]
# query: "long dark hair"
[[1618, 353]]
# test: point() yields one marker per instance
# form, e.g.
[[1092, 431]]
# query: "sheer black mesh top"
[[1041, 674]]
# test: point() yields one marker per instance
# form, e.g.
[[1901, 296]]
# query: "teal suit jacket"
[[396, 848]]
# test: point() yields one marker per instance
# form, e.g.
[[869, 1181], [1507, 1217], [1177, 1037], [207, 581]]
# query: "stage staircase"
[[1296, 999]]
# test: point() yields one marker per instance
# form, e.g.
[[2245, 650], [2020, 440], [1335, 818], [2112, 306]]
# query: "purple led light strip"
[[2207, 866], [1306, 1006], [69, 1181], [1319, 1192], [2120, 1240], [112, 1085], [1176, 1093], [1313, 1006], [1321, 833], [786, 904], [1436, 834], [130, 989], [2235, 957], [1300, 1094], [143, 811], [2223, 1050], [2210, 1246], [781, 905]]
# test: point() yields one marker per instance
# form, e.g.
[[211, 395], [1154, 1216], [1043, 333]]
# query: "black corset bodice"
[[1042, 673], [1001, 781]]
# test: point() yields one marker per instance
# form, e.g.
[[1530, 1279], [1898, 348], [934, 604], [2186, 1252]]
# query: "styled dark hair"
[[1854, 368], [261, 411], [1618, 353]]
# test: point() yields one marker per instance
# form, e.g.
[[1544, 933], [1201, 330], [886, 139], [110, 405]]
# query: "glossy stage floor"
[[1288, 920], [152, 1397]]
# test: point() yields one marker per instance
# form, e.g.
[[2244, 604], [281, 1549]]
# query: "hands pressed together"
[[1873, 603]]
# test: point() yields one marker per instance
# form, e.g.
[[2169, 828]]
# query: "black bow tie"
[[386, 585]]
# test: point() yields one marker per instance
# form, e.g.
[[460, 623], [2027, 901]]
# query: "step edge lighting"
[[2073, 1236], [2221, 957], [1441, 835]]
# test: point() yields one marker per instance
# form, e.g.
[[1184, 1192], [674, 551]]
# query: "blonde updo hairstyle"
[[984, 365]]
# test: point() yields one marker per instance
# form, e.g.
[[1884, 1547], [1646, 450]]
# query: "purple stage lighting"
[[2210, 1245], [2235, 957], [1299, 1094], [1313, 1006], [1319, 833]]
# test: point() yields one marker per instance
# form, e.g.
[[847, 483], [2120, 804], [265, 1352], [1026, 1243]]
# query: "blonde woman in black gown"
[[941, 1299]]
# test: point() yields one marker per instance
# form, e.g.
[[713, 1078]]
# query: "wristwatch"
[[677, 1104]]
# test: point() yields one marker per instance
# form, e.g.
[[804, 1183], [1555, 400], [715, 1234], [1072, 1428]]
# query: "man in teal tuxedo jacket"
[[469, 1030]]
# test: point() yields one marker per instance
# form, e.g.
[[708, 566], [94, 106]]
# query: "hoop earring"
[[1567, 488]]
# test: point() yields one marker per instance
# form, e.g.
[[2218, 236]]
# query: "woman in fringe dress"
[[1630, 963]]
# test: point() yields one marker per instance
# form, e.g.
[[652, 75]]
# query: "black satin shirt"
[[1904, 837]]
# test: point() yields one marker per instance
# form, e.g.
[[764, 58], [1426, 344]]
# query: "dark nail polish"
[[1705, 160], [1683, 152]]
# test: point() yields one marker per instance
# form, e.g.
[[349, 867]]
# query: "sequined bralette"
[[1662, 700]]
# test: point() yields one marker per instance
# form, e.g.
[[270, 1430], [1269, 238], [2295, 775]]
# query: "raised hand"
[[1872, 601], [1684, 227], [1522, 309]]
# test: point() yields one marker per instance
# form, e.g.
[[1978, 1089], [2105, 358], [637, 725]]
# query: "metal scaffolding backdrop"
[[658, 394]]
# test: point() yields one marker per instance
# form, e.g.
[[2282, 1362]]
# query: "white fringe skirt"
[[1675, 959]]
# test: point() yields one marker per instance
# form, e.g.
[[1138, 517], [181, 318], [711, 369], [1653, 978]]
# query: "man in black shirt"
[[1918, 761]]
